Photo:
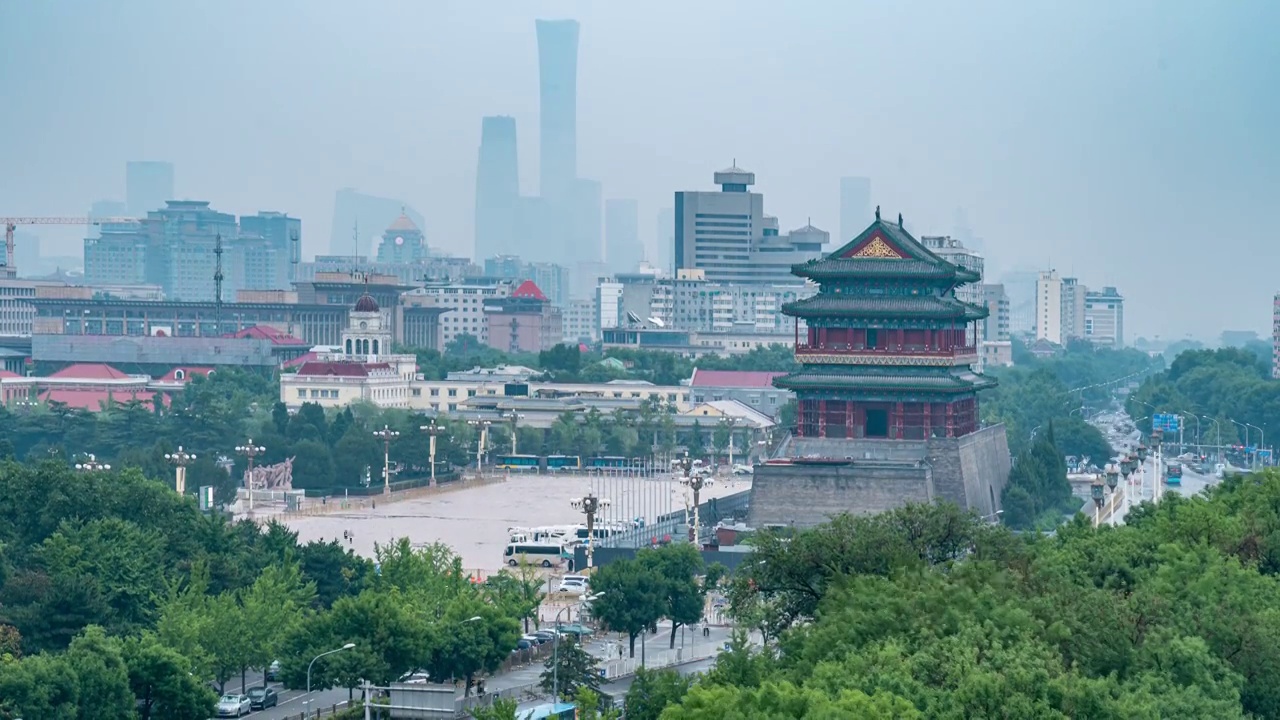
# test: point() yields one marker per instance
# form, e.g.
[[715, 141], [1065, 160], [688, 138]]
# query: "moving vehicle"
[[234, 705], [546, 555], [550, 711], [261, 698], [740, 469], [1173, 473], [273, 671]]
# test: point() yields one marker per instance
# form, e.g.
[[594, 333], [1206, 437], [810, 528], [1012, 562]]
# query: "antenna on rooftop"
[[297, 255], [217, 286]]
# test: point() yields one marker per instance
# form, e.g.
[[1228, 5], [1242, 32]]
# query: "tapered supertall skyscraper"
[[497, 188], [558, 98]]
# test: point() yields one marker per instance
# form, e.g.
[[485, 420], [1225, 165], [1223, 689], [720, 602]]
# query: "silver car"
[[234, 705]]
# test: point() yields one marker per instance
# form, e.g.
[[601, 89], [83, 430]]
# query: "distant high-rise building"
[[727, 235], [147, 185], [105, 209], [584, 218], [855, 207], [1073, 296], [1049, 307], [272, 242], [997, 324], [1275, 336], [558, 106], [368, 214], [665, 232], [497, 188], [1104, 318], [507, 267], [623, 251]]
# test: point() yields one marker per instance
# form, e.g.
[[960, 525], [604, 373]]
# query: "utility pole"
[[250, 451], [180, 459], [385, 435], [590, 505], [432, 430]]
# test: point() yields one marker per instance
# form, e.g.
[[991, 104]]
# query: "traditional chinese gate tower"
[[889, 348], [887, 395]]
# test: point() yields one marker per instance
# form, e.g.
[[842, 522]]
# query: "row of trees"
[[928, 612], [573, 363], [1211, 389], [114, 591]]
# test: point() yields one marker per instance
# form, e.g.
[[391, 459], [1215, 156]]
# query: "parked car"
[[234, 705], [533, 639], [261, 698], [273, 671], [576, 584], [522, 644], [741, 469], [546, 635]]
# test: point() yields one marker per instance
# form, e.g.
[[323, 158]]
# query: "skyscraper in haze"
[[147, 185], [855, 207], [666, 238], [497, 189], [623, 251], [558, 107]]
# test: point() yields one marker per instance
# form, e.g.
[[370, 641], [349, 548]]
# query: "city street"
[[293, 702]]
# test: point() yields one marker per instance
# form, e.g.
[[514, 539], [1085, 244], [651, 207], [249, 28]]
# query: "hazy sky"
[[1130, 142]]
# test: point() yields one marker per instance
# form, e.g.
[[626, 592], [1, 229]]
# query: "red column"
[[927, 410], [897, 409], [848, 418], [951, 424], [822, 418]]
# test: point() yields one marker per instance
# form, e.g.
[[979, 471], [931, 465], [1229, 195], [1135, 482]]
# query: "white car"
[[576, 584], [234, 705], [741, 469]]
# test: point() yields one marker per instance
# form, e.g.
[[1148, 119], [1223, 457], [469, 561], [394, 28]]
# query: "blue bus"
[[609, 461], [564, 462], [523, 463], [1173, 474]]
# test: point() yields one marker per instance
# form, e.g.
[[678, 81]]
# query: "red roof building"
[[524, 321], [90, 371], [733, 378], [266, 332]]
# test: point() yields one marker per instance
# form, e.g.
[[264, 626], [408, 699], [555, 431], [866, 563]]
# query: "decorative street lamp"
[[514, 417], [386, 434], [590, 505], [1113, 475], [91, 464], [432, 430], [250, 451], [482, 444], [1096, 491], [694, 483], [180, 459]]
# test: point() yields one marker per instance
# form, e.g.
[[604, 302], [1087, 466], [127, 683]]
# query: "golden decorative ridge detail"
[[879, 249]]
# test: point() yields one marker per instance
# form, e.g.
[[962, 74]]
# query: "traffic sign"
[[1167, 422]]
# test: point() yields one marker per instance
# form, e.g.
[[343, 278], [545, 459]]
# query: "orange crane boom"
[[11, 224]]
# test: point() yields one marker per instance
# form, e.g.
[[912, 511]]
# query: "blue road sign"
[[1167, 422]]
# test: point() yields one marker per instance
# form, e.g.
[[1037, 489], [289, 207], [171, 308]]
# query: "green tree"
[[97, 664], [683, 596], [163, 682], [313, 466], [472, 637], [631, 598], [570, 669], [501, 709], [653, 690]]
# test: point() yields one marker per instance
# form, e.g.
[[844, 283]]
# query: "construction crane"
[[11, 224]]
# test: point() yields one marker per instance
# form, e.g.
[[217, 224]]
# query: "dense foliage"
[[115, 589], [572, 363], [1038, 494], [927, 612], [1211, 389]]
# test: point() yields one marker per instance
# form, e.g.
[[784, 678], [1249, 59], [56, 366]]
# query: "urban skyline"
[[1034, 205]]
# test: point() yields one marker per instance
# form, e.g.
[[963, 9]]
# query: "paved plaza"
[[474, 521]]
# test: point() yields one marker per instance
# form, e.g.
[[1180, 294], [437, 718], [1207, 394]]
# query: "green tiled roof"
[[867, 378], [884, 306], [921, 263]]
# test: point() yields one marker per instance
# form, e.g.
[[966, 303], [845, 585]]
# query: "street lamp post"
[[180, 459], [1157, 463], [386, 434], [555, 650], [694, 483], [90, 464], [348, 646], [514, 417], [432, 430], [1262, 442], [482, 443], [1112, 474], [1096, 491], [249, 451], [590, 505]]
